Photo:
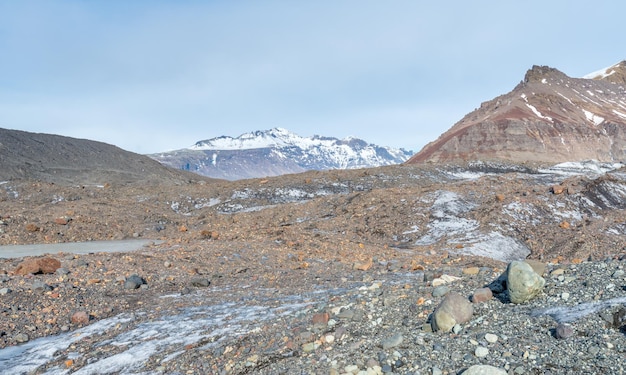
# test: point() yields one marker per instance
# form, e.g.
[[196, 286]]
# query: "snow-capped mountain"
[[278, 151], [548, 118]]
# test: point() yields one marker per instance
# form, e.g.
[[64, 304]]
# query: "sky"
[[155, 75]]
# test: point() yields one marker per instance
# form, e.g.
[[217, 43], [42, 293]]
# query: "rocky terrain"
[[548, 118], [320, 272], [276, 152]]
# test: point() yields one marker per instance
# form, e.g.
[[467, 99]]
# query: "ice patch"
[[446, 222], [566, 314], [497, 246], [164, 336]]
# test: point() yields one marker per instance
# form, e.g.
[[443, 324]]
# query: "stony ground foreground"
[[343, 262]]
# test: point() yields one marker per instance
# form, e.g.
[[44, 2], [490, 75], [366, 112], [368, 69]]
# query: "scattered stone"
[[134, 282], [471, 271], [5, 291], [200, 282], [444, 279], [80, 317], [481, 352], [30, 227], [40, 286], [523, 283], [484, 370], [482, 295], [37, 266], [558, 189], [617, 274], [63, 220], [320, 318], [452, 310], [564, 331], [363, 266], [62, 271], [21, 338], [440, 291], [392, 341], [619, 317], [491, 338]]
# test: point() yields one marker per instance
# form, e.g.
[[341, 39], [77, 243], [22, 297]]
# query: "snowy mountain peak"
[[278, 151], [615, 73]]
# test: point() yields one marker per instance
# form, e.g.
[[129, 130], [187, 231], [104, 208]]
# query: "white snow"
[[597, 120], [620, 114], [537, 113], [587, 167], [602, 73]]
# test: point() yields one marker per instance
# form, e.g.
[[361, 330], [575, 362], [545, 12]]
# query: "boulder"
[[37, 265], [453, 309], [522, 282]]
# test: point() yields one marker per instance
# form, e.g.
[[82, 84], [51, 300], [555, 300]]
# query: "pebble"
[[481, 352], [484, 370], [392, 341], [440, 291], [491, 338], [200, 282], [482, 295], [564, 331], [5, 291], [134, 282], [21, 338]]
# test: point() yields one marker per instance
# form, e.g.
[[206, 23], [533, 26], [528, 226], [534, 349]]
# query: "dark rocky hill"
[[65, 160], [548, 118]]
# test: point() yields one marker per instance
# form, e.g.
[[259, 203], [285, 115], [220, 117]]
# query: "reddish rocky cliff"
[[548, 118]]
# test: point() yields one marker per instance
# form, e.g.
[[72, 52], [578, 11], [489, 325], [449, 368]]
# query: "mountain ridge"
[[548, 117], [277, 151]]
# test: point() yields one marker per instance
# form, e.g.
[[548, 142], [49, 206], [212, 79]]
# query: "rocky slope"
[[65, 160], [548, 118], [275, 152]]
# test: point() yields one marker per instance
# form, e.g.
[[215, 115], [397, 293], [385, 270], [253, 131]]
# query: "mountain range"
[[548, 117], [275, 152]]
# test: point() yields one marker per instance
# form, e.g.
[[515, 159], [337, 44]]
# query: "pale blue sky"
[[152, 76]]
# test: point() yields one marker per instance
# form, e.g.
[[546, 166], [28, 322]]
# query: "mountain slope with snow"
[[548, 118], [278, 151]]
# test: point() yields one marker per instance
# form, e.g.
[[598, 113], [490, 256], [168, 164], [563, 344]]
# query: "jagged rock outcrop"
[[548, 118]]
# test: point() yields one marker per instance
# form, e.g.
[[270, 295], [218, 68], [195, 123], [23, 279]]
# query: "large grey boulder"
[[522, 282], [453, 309]]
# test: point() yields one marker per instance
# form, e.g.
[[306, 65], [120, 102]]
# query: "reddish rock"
[[482, 295], [37, 265], [63, 220], [80, 317], [30, 227], [558, 189], [321, 318]]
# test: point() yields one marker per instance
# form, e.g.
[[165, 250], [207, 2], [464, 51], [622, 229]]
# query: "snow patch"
[[537, 113], [597, 120], [566, 314], [497, 246]]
